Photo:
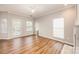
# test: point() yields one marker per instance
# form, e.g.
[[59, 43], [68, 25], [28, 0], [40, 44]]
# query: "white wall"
[[77, 22], [11, 17], [77, 31], [45, 24]]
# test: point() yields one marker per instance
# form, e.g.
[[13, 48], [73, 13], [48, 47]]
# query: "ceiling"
[[36, 10]]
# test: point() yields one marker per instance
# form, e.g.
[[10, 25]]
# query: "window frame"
[[61, 35]]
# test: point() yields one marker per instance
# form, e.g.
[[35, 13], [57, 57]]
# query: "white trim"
[[53, 12], [57, 39]]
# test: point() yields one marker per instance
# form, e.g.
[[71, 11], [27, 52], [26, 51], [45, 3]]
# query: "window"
[[16, 25], [4, 26], [58, 27], [36, 26], [29, 26]]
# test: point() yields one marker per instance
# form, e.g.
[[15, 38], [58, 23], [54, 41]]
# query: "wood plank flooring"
[[30, 45]]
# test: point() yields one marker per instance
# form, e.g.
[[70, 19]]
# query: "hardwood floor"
[[30, 45]]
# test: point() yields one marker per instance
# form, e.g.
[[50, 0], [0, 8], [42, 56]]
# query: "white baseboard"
[[60, 40], [8, 38]]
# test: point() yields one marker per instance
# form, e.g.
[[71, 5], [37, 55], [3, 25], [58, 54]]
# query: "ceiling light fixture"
[[32, 10], [65, 4]]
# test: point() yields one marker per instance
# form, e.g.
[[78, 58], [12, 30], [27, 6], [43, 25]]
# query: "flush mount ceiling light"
[[65, 4], [32, 10]]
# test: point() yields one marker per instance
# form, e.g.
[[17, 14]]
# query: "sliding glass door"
[[29, 27], [16, 27]]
